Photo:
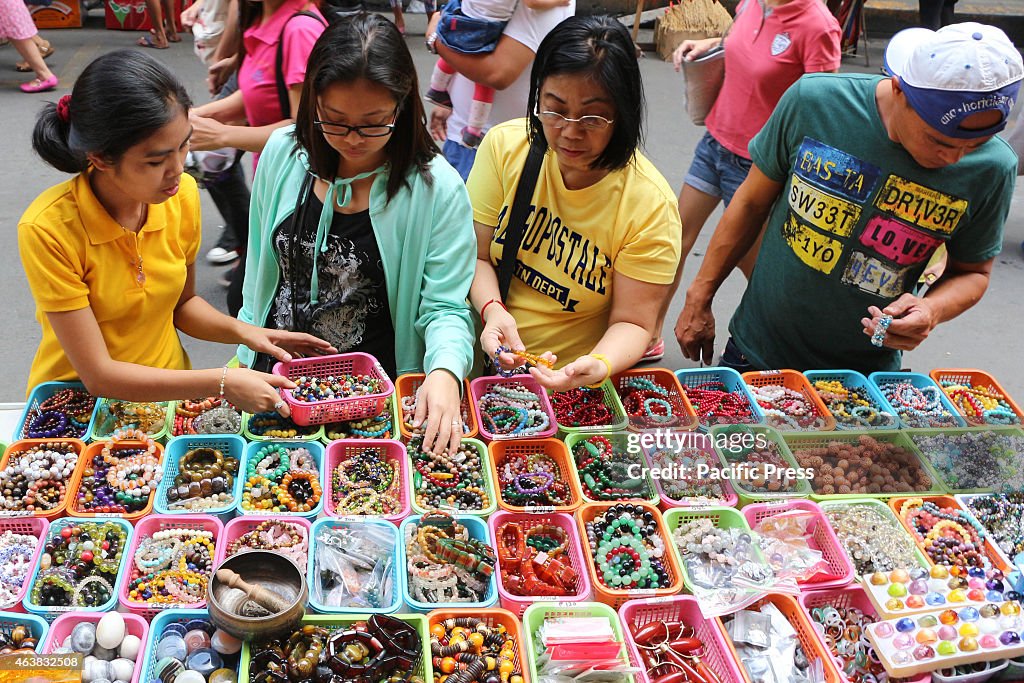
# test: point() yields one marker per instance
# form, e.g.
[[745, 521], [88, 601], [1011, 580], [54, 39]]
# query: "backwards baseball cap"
[[959, 70]]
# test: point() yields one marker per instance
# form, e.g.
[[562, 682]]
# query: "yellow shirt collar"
[[99, 225]]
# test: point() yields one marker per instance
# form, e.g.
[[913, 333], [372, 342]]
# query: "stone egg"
[[110, 630], [95, 670], [130, 647], [168, 668], [223, 676], [83, 637], [106, 654], [172, 646], [225, 643], [122, 669], [188, 676]]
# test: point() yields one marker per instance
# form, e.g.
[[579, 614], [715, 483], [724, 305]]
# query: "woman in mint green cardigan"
[[359, 230]]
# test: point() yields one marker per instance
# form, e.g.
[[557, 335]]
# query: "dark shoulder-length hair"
[[366, 46], [600, 48]]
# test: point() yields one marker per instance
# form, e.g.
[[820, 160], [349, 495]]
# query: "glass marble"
[[968, 644], [947, 632], [976, 595], [879, 579], [915, 601], [918, 573], [1013, 595], [1009, 638], [989, 611], [894, 604], [935, 599], [884, 629], [923, 652], [918, 587], [994, 596], [1010, 609], [939, 571], [956, 582], [957, 595], [968, 630], [946, 648], [969, 614], [975, 583], [948, 617], [903, 641], [976, 572], [926, 636], [899, 576], [928, 621], [905, 625], [988, 642], [994, 585], [896, 590]]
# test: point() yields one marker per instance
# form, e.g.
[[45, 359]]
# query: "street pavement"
[[989, 336]]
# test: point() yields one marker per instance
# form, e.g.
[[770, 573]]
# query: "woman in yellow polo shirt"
[[110, 253]]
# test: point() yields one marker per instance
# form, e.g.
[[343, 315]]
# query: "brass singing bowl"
[[231, 610]]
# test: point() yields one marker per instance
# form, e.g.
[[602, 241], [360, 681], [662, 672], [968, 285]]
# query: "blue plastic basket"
[[851, 379], [37, 626], [42, 392], [352, 522], [230, 445], [314, 447], [156, 629], [477, 530], [690, 378], [51, 613], [921, 381]]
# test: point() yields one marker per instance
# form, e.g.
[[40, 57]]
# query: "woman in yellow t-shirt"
[[601, 241], [110, 254]]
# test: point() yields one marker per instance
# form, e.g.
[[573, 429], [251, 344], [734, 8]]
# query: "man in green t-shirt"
[[857, 180]]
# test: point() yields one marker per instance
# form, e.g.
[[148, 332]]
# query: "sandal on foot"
[[150, 41]]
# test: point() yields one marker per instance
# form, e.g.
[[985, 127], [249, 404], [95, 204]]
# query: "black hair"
[[600, 48], [369, 47], [120, 99]]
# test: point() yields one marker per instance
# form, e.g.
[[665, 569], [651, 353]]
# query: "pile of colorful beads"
[[918, 407], [608, 472], [120, 480], [35, 479], [354, 566], [533, 560], [466, 650], [627, 549], [205, 479], [763, 469], [511, 409], [853, 408], [331, 388], [1002, 515], [692, 483], [948, 535], [117, 415], [715, 404], [865, 466], [79, 565], [448, 480], [786, 408], [533, 479], [582, 407], [194, 651], [975, 460], [65, 415], [873, 540], [271, 425], [648, 404], [365, 483], [172, 567], [843, 628], [16, 554], [209, 416], [409, 412], [377, 427], [979, 404], [278, 536], [281, 479], [444, 563], [111, 653]]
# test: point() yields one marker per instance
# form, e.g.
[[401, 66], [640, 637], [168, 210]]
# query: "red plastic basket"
[[240, 526], [338, 409], [29, 526], [683, 608], [144, 529], [978, 379], [794, 381], [991, 552], [822, 538], [481, 385], [386, 449], [409, 384], [91, 451], [61, 509], [682, 411], [62, 626], [492, 616]]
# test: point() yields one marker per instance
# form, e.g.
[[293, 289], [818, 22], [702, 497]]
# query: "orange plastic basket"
[[616, 597], [501, 451], [795, 381], [61, 509], [978, 379], [91, 451], [491, 616], [991, 553], [683, 412], [409, 384], [801, 623]]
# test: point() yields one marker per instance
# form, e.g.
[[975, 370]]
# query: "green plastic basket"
[[102, 427], [729, 456], [172, 407], [620, 440], [396, 415], [885, 512], [536, 613], [946, 477], [313, 433], [721, 517], [800, 442], [611, 399], [488, 486], [424, 669]]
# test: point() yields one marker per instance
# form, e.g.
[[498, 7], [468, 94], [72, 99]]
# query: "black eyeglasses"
[[377, 130]]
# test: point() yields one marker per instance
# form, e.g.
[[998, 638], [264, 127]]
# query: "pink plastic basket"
[[517, 604], [62, 626], [822, 538], [481, 385], [144, 529], [30, 526], [386, 449], [848, 596], [717, 653], [240, 526], [338, 409]]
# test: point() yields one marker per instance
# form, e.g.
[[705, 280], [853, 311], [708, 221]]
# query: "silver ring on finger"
[[279, 405]]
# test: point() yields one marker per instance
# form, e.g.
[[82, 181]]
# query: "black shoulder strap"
[[515, 227], [282, 88]]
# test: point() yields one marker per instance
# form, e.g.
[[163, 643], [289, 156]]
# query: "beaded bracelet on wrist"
[[715, 404], [582, 407], [35, 478], [450, 481], [648, 404], [608, 472], [278, 536], [333, 388], [212, 415], [533, 479], [281, 479], [444, 563], [366, 484], [627, 550], [79, 565], [786, 408], [150, 418], [272, 426], [466, 650], [851, 407], [65, 415], [511, 409]]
